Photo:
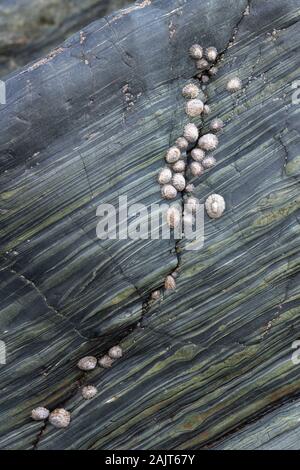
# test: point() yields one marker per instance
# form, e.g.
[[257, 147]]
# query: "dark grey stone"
[[212, 356]]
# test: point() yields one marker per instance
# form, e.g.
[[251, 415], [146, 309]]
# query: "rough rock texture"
[[209, 365], [30, 28], [277, 430]]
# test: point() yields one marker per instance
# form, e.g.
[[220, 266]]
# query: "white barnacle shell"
[[173, 154], [196, 51], [234, 85], [190, 91], [191, 205], [216, 125], [88, 392], [168, 191], [215, 206], [205, 78], [197, 154], [178, 182], [115, 352], [194, 108], [87, 363], [209, 162], [208, 142], [211, 54], [202, 64], [164, 176], [191, 132], [190, 188], [213, 71], [60, 418], [188, 220], [40, 413], [170, 283], [206, 110], [106, 361], [196, 168], [155, 295], [182, 143], [179, 167], [173, 217]]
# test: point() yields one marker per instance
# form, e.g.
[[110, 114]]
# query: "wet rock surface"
[[211, 360], [29, 29]]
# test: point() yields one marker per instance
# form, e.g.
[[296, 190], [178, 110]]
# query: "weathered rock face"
[[30, 28], [92, 122]]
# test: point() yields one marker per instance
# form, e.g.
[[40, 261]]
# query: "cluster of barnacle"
[[60, 418], [173, 178]]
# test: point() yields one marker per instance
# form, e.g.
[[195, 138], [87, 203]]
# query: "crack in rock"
[[42, 295]]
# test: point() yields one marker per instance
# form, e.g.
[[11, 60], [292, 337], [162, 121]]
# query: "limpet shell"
[[215, 206]]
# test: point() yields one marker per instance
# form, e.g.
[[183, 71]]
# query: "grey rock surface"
[[92, 121], [278, 429], [29, 29]]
